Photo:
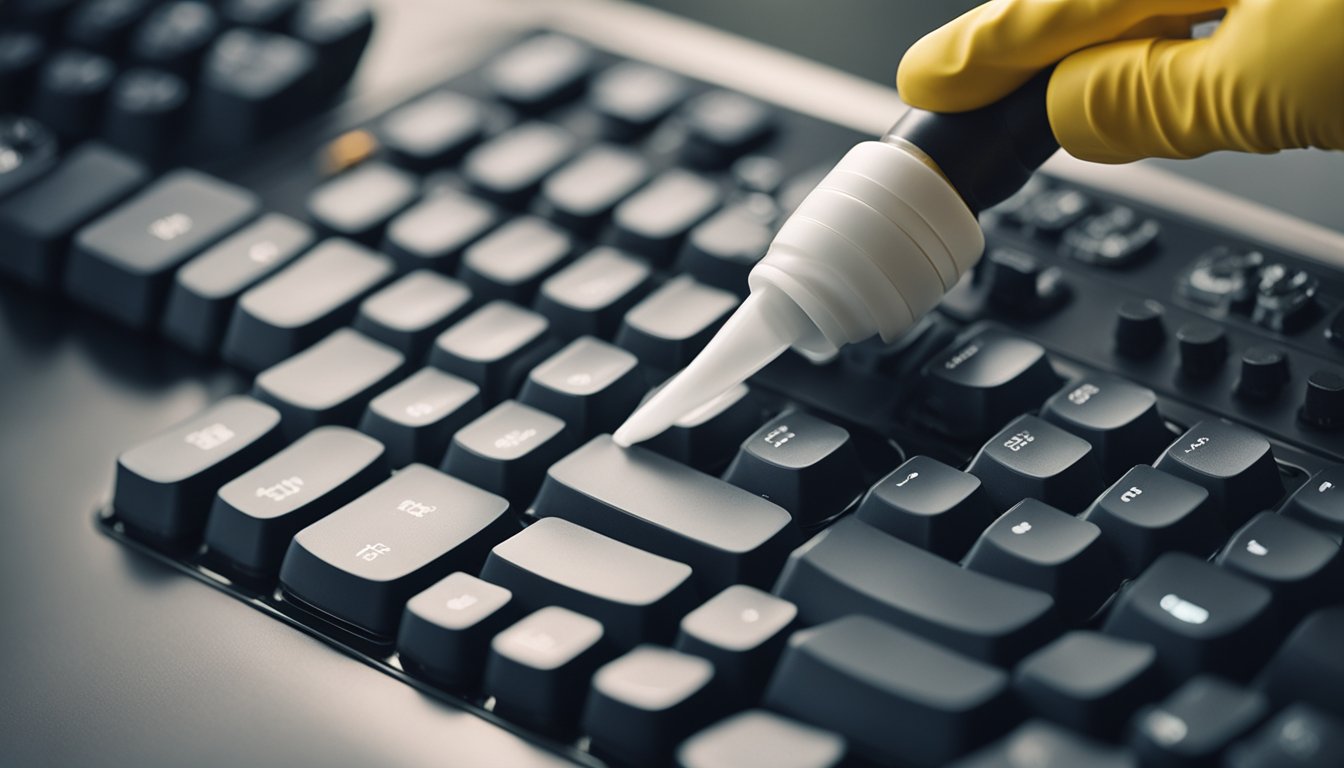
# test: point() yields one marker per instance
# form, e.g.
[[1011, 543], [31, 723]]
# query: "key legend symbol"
[[370, 552], [1325, 486], [1021, 528], [461, 602], [1256, 548], [1183, 610], [907, 479], [1133, 493]]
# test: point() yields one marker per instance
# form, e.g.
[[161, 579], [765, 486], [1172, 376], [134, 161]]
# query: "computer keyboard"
[[1084, 514]]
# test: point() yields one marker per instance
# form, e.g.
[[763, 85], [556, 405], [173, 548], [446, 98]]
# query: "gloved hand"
[[1130, 84]]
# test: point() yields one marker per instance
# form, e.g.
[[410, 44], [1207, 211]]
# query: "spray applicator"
[[871, 249]]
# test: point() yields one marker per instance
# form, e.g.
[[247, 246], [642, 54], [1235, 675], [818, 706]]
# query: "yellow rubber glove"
[[1130, 84]]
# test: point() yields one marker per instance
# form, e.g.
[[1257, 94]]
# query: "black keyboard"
[[1085, 514]]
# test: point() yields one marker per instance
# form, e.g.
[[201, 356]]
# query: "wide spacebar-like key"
[[853, 567]]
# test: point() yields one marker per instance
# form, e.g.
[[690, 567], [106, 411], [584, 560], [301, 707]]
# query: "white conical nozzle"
[[766, 324]]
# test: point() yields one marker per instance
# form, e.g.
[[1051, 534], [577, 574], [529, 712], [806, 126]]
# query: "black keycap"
[[583, 193], [722, 126], [591, 385], [1038, 546], [446, 630], [512, 165], [1139, 330], [302, 303], [759, 737], [592, 293], [742, 631], [205, 290], [175, 36], [633, 97], [511, 262], [707, 437], [1118, 418], [1319, 502], [410, 312], [804, 464], [339, 30], [507, 450], [539, 669], [638, 596], [37, 222], [104, 25], [433, 130], [985, 380], [165, 484], [896, 697], [645, 702], [852, 567], [434, 232], [358, 203], [21, 55], [262, 14], [122, 264], [1308, 666], [1298, 737], [1301, 566], [70, 93], [1195, 724], [722, 250], [361, 563], [540, 73], [1031, 458], [1235, 464], [145, 114], [1147, 512], [494, 347], [1198, 616], [1021, 285], [252, 84], [1088, 682], [417, 417], [654, 503], [256, 514], [930, 505], [669, 327], [654, 221], [1038, 744], [30, 149]]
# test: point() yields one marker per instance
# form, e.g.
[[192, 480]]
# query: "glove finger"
[[989, 51]]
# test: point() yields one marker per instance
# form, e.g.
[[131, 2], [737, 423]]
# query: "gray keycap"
[[1089, 682], [510, 167], [416, 417], [432, 130], [539, 669], [409, 312], [507, 450], [590, 384], [540, 72], [582, 194], [742, 630], [434, 232], [1033, 459], [654, 221], [633, 97], [358, 203], [493, 347], [1147, 513], [930, 505], [722, 126], [760, 737], [511, 262], [445, 631], [1235, 465], [671, 325], [593, 293]]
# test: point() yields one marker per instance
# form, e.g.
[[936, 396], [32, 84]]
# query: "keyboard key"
[[302, 303], [645, 702], [722, 126], [539, 669], [1034, 459], [510, 167], [742, 631], [361, 563], [671, 325], [638, 596], [653, 221], [1199, 617], [1038, 744], [175, 36], [582, 194], [1118, 418], [930, 505], [71, 90], [433, 130], [1298, 737], [417, 417], [1196, 723], [434, 232], [591, 385], [104, 25], [1301, 566], [256, 514], [758, 737], [1318, 503], [339, 30], [633, 97], [358, 203], [1088, 682], [31, 148], [1038, 546], [145, 113], [1147, 513], [852, 567], [329, 383], [1307, 667], [493, 347], [985, 380], [707, 437], [511, 262], [410, 312], [540, 72], [935, 705], [804, 464], [1117, 238], [37, 221], [507, 450], [654, 503], [21, 55], [1233, 463], [253, 83], [592, 294], [446, 630], [165, 484], [722, 250], [122, 264]]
